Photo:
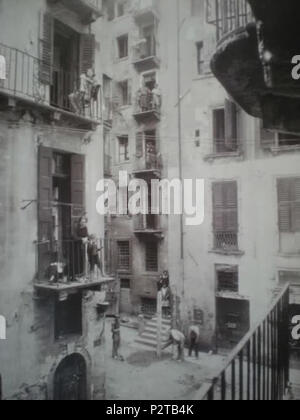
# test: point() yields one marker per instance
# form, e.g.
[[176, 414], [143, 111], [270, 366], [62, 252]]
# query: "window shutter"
[[116, 99], [46, 48], [139, 145], [230, 125], [296, 206], [284, 204], [129, 101], [45, 188], [218, 208], [231, 206], [77, 186], [87, 52], [45, 193]]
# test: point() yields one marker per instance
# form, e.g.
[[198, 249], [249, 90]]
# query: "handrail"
[[208, 387]]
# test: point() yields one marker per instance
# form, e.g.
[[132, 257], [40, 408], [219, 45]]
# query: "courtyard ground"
[[143, 377]]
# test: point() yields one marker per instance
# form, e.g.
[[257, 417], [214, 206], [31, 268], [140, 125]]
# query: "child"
[[93, 255]]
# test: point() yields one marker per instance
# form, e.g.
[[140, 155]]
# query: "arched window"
[[2, 68]]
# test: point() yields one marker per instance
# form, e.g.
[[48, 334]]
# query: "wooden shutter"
[[129, 94], [231, 206], [116, 99], [45, 197], [296, 206], [218, 208], [230, 125], [139, 145], [45, 193], [225, 207], [46, 48], [284, 204], [77, 186], [87, 52]]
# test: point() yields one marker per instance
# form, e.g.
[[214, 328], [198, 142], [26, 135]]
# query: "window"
[[124, 256], [125, 93], [125, 283], [200, 61], [227, 279], [289, 204], [152, 257], [123, 46], [68, 316], [225, 128], [110, 9], [123, 149], [121, 8], [225, 216]]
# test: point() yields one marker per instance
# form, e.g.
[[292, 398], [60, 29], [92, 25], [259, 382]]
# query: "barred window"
[[152, 257], [227, 279], [124, 256], [225, 215]]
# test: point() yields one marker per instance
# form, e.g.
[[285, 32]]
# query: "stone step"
[[146, 342]]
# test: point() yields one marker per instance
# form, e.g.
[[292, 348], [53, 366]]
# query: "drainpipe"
[[180, 166]]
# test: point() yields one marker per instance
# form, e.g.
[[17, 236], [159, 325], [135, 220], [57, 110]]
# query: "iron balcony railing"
[[145, 48], [150, 162], [147, 101], [147, 223], [228, 16], [29, 78], [74, 261], [258, 368]]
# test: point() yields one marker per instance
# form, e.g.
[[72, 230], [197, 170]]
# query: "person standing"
[[194, 335], [116, 338], [93, 256]]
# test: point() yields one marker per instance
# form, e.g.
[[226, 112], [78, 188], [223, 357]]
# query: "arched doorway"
[[70, 379]]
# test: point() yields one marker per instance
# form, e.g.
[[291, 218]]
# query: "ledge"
[[236, 253], [231, 295], [276, 150], [211, 157]]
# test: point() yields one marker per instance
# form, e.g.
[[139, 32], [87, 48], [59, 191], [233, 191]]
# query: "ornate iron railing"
[[29, 78], [226, 241], [228, 15], [258, 368], [147, 222], [73, 260]]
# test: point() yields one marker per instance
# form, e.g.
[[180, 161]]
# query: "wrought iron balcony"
[[67, 265], [149, 165], [29, 79], [147, 224], [88, 10], [145, 55], [228, 16], [258, 368], [148, 107]]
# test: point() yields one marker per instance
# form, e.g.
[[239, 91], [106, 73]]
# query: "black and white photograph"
[[149, 203]]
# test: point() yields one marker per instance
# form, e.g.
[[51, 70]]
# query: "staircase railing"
[[258, 368]]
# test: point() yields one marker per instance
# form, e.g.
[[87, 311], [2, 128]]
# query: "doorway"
[[233, 321], [70, 379]]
